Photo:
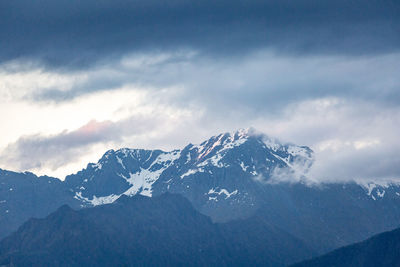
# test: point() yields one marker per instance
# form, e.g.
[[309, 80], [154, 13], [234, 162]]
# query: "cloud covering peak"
[[82, 77]]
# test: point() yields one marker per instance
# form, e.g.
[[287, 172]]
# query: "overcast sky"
[[80, 77]]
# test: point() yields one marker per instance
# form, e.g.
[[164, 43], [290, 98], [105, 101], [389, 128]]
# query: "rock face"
[[231, 176]]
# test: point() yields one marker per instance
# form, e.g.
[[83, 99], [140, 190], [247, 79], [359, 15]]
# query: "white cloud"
[[343, 108]]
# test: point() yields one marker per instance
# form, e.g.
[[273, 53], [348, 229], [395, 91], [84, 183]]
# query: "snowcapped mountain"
[[229, 176], [125, 171], [220, 175]]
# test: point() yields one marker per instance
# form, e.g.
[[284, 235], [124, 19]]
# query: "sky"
[[80, 77]]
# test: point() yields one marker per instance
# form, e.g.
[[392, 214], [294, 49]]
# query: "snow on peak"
[[261, 155], [212, 153], [140, 180], [129, 153], [271, 143], [244, 132], [377, 189], [108, 154], [125, 152], [222, 142], [96, 166], [370, 187]]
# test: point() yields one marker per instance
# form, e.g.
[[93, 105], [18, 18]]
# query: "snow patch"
[[191, 171], [206, 152], [255, 173], [380, 193], [231, 140], [231, 143], [244, 168], [95, 201], [370, 188], [143, 180], [212, 191], [379, 188], [125, 151], [188, 157], [214, 161], [97, 166]]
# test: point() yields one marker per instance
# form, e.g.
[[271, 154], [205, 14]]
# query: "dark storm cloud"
[[76, 34], [258, 83]]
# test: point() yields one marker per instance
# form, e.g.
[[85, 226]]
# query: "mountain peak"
[[244, 132], [252, 133], [225, 165]]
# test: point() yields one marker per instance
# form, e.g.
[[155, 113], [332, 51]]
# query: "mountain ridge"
[[379, 250], [139, 230], [227, 177], [193, 159]]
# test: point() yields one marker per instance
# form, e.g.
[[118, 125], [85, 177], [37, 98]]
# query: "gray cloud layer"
[[77, 34], [318, 73], [259, 82]]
